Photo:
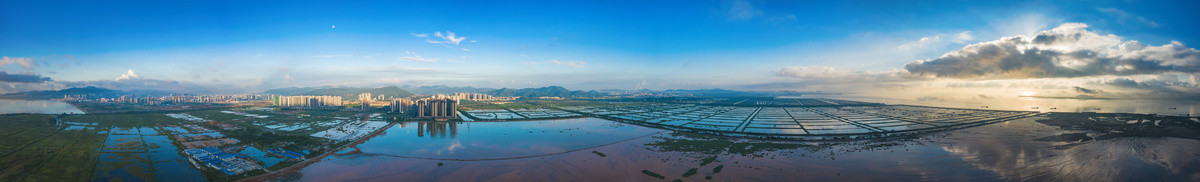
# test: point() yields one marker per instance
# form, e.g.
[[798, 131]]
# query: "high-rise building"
[[365, 97], [402, 105], [437, 108], [307, 101]]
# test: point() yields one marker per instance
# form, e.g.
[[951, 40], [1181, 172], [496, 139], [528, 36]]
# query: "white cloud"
[[418, 59], [446, 38], [963, 37], [937, 41], [26, 62], [128, 75], [921, 43], [576, 64], [1124, 17]]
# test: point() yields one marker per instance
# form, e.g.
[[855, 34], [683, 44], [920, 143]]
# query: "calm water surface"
[[37, 107], [589, 149]]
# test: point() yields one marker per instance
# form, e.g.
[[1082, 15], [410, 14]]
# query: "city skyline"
[[1118, 49]]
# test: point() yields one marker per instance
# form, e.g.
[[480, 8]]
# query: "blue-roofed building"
[[228, 163]]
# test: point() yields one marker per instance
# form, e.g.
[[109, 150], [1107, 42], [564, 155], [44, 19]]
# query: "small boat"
[[1171, 108]]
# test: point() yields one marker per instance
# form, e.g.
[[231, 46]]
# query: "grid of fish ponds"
[[854, 120], [800, 102], [507, 114], [142, 154]]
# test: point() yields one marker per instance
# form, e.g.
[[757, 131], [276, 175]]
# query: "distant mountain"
[[84, 91], [620, 91], [442, 89], [345, 92], [551, 91]]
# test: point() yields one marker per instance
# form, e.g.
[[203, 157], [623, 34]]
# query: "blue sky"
[[734, 44]]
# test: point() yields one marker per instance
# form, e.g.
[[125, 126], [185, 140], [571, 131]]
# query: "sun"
[[1027, 94]]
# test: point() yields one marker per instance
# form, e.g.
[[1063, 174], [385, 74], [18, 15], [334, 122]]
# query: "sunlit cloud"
[[1066, 61], [938, 40], [1066, 51]]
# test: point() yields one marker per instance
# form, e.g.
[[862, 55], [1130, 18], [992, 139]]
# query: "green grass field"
[[35, 149]]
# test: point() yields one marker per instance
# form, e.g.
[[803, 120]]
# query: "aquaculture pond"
[[142, 154], [1056, 147]]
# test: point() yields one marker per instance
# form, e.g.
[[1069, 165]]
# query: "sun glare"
[[1027, 94]]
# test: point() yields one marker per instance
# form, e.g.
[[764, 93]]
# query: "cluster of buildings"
[[402, 105], [225, 162], [437, 108], [306, 101]]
